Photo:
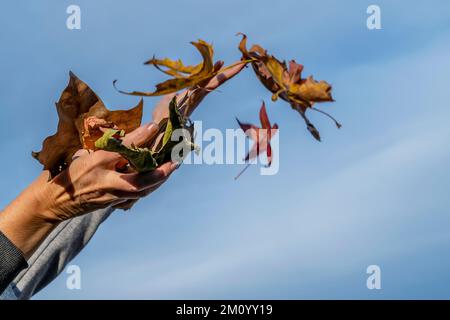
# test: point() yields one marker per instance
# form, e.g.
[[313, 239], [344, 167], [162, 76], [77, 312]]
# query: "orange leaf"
[[287, 83]]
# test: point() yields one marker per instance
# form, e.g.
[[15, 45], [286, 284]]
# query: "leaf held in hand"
[[176, 121], [81, 115], [141, 159]]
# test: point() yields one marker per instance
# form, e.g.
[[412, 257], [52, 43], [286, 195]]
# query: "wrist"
[[43, 196]]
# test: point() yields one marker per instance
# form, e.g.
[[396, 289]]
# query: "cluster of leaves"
[[145, 159], [85, 122], [287, 83], [282, 81]]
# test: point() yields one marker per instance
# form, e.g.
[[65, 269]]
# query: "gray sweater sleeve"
[[54, 254], [11, 262]]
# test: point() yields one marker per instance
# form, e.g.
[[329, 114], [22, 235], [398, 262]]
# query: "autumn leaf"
[[90, 123], [141, 159], [81, 115], [287, 83], [183, 76], [144, 159], [261, 137], [175, 121]]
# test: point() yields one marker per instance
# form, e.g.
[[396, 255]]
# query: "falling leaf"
[[287, 83], [81, 115], [261, 137], [184, 76]]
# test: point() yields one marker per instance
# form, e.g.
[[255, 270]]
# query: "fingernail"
[[152, 126], [175, 166]]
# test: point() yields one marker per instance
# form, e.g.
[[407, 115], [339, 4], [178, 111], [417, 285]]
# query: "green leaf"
[[176, 121], [140, 159], [143, 159]]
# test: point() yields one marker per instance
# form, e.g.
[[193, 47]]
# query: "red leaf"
[[262, 136], [263, 117]]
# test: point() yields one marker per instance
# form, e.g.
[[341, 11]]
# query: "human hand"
[[89, 183], [161, 110], [92, 181]]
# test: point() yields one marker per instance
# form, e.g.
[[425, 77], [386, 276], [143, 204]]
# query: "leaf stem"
[[243, 170], [338, 125]]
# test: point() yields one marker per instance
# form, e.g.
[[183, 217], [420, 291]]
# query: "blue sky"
[[374, 192]]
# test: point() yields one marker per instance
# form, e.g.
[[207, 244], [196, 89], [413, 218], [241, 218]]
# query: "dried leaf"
[[184, 76], [175, 121], [261, 136], [287, 83], [81, 115], [89, 123], [174, 68], [141, 159]]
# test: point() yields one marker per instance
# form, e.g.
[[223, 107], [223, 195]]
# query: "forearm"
[[63, 244], [22, 229], [22, 221]]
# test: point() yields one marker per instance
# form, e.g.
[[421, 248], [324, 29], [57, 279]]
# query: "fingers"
[[143, 181], [136, 182], [141, 135], [80, 153], [113, 160], [99, 158], [218, 65], [131, 196], [121, 198], [161, 109], [218, 80], [126, 205], [212, 84], [137, 137]]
